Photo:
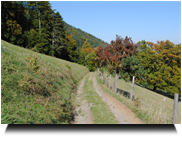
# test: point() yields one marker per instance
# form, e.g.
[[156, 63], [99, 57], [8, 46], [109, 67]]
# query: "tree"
[[42, 16], [85, 50], [113, 54], [163, 64], [121, 48], [131, 67], [13, 15], [91, 61], [71, 49], [59, 37], [142, 46], [33, 24]]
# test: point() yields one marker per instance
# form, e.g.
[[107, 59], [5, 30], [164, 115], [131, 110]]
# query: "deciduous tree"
[[71, 49], [163, 64], [91, 61], [113, 54], [85, 50]]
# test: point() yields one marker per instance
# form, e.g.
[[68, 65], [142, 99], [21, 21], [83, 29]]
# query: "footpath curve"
[[85, 115], [120, 111]]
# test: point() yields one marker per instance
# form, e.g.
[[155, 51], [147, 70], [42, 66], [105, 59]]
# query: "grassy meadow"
[[148, 105], [36, 88]]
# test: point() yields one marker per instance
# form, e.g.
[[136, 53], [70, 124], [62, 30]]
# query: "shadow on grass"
[[124, 93]]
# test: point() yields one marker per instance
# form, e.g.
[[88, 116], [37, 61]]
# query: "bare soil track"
[[85, 115], [122, 114]]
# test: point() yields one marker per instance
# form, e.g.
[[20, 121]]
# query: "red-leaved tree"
[[113, 54], [103, 55]]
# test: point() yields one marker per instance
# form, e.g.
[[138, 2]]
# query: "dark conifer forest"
[[34, 25]]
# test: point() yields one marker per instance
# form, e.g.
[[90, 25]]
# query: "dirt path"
[[121, 112], [85, 115]]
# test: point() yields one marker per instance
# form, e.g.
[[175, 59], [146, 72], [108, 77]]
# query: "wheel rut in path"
[[121, 112], [85, 115]]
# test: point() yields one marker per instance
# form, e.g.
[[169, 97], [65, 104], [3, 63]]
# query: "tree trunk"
[[154, 89], [39, 24], [118, 71], [28, 16], [53, 38], [84, 62], [38, 11]]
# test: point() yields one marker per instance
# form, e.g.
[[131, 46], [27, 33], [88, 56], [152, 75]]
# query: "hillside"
[[40, 89], [80, 37], [37, 88]]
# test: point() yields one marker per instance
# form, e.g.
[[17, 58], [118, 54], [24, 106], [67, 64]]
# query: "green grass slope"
[[37, 88]]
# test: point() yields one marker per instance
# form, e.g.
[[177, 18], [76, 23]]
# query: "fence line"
[[110, 82], [132, 88], [106, 81], [115, 86], [131, 95], [175, 108]]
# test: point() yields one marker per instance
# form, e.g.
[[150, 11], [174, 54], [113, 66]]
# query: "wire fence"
[[159, 107]]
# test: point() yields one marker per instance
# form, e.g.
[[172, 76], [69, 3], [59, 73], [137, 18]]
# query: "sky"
[[141, 20]]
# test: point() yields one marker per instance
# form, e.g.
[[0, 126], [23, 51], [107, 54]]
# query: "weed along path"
[[83, 114], [122, 114]]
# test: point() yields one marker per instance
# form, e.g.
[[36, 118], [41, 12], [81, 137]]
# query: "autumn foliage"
[[158, 65], [113, 54], [71, 49], [163, 64], [85, 50]]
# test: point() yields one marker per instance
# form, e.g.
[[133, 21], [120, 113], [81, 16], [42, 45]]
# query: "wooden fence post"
[[131, 97], [115, 84], [103, 78], [106, 81], [110, 82], [175, 108]]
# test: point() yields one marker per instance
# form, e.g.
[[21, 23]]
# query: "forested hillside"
[[80, 36], [34, 25]]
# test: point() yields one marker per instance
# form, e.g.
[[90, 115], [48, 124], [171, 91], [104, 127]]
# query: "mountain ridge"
[[80, 36]]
